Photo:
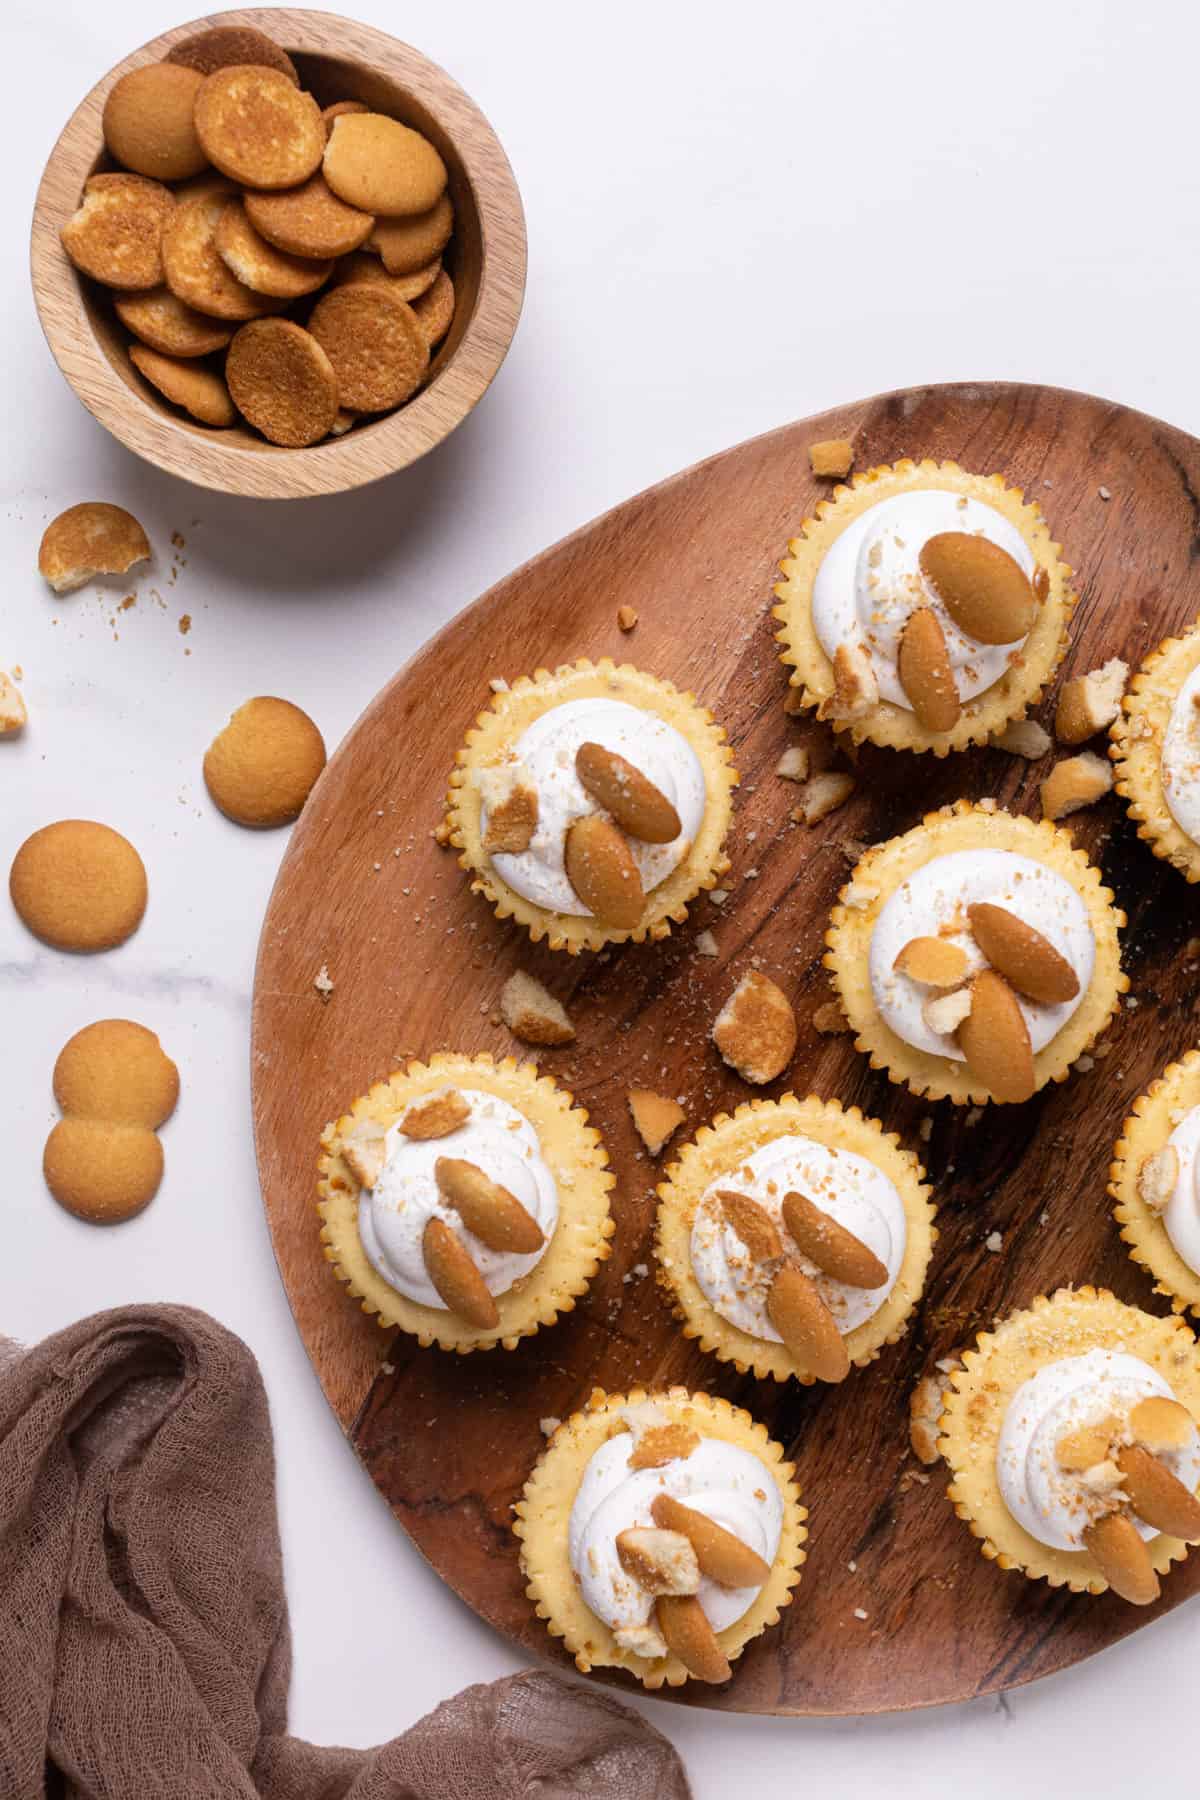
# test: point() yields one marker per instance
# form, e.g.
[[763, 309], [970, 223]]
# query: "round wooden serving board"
[[418, 963]]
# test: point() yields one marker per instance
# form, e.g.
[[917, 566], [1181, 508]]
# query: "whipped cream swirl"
[[721, 1480], [850, 1188], [869, 585], [933, 902], [1182, 1215], [1181, 758], [1053, 1505], [393, 1214], [544, 756]]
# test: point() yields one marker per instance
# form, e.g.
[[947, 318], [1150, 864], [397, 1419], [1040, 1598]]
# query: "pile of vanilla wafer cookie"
[[271, 260]]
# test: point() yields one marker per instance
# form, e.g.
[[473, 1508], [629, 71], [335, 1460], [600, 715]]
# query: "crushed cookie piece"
[[532, 1013]]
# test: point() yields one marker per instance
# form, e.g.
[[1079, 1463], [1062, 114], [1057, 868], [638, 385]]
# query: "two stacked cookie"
[[235, 200]]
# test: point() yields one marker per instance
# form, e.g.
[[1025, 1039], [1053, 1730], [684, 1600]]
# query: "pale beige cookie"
[[258, 128], [148, 123], [193, 267], [261, 767], [93, 538], [381, 166], [162, 320], [232, 46], [377, 349], [408, 244], [200, 391], [434, 310], [283, 382], [116, 234], [308, 220], [260, 265], [360, 267], [13, 716], [78, 885], [115, 1087], [338, 110]]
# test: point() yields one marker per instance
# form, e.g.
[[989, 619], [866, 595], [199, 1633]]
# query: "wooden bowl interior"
[[328, 78]]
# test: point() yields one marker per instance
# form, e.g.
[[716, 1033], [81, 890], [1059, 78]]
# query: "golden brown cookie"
[[78, 885], [337, 110], [408, 244], [93, 538], [13, 716], [148, 124], [161, 319], [258, 128], [115, 1086], [115, 235], [361, 267], [193, 267], [435, 312], [381, 166], [230, 46], [283, 382], [200, 391], [259, 265], [309, 220], [261, 767], [377, 349]]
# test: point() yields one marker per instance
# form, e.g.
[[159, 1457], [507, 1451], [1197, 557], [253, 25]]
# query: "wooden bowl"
[[337, 60]]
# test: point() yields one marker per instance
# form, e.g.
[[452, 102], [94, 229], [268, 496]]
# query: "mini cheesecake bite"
[[591, 804], [1156, 750], [976, 956], [465, 1201], [1155, 1183], [923, 607], [660, 1533], [793, 1238], [1070, 1432]]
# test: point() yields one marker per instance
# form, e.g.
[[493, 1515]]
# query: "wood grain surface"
[[418, 963], [337, 60]]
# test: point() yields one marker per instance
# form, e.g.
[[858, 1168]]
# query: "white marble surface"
[[736, 216]]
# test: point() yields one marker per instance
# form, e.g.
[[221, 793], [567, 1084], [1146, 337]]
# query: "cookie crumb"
[[323, 983], [532, 1013], [993, 1242], [831, 457], [627, 617], [706, 944]]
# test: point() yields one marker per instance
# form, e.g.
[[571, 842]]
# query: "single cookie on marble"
[[258, 128], [79, 886], [116, 1087], [199, 390], [231, 46], [408, 244], [381, 166], [167, 324], [115, 234], [93, 538], [283, 382], [308, 220], [148, 122], [260, 265], [378, 351], [261, 768]]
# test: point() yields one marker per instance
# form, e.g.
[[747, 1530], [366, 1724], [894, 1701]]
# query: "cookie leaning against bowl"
[[1155, 1182], [465, 1200], [1071, 1436], [660, 1533], [591, 804], [923, 607], [793, 1238], [1156, 749], [977, 956]]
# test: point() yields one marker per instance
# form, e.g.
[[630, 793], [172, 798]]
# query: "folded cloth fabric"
[[144, 1647]]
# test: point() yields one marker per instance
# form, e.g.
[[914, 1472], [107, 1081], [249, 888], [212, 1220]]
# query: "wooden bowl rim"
[[396, 440]]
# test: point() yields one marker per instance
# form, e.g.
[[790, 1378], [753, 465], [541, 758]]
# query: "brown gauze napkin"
[[144, 1647]]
